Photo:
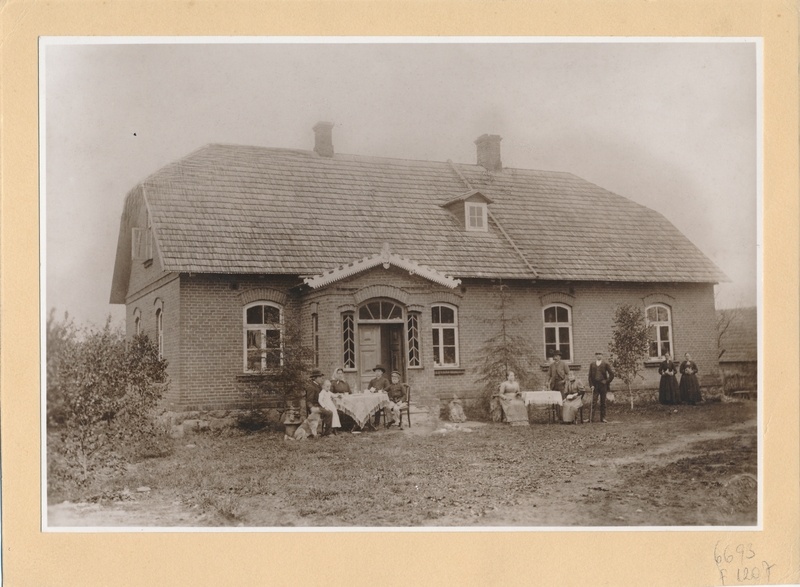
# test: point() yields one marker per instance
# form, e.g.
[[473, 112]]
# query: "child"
[[397, 396], [326, 401]]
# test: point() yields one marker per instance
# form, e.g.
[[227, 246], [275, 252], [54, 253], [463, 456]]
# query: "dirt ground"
[[654, 466]]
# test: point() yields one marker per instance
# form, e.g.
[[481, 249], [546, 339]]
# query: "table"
[[550, 400], [361, 406]]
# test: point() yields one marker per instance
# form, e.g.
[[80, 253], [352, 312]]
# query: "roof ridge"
[[359, 157], [494, 219]]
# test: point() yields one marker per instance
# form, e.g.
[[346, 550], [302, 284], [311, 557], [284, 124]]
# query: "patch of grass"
[[387, 478]]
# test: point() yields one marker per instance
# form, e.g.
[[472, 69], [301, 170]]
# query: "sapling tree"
[[505, 350], [629, 344]]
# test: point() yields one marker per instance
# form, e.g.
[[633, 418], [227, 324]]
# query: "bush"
[[102, 392]]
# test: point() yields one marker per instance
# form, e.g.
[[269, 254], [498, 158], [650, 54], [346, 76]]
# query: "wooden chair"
[[406, 409]]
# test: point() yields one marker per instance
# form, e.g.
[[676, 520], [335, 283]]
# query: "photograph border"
[[32, 557]]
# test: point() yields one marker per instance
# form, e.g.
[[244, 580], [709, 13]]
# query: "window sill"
[[652, 364], [254, 376], [449, 370], [572, 366]]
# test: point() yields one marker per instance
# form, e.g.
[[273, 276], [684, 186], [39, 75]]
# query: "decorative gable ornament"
[[385, 258]]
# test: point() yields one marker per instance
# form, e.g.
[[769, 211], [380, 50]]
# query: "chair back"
[[408, 392]]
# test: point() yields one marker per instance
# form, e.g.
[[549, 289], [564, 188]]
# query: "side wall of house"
[[164, 294], [150, 288]]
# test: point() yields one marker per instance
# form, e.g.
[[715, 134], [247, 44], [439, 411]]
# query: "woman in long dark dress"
[[668, 387], [689, 387]]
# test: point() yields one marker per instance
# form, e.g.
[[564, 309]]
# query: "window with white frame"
[[160, 332], [659, 324], [348, 341], [263, 336], [414, 357], [558, 331], [444, 323], [475, 215]]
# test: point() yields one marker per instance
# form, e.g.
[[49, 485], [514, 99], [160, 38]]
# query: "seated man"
[[378, 383], [397, 401], [313, 388], [573, 400]]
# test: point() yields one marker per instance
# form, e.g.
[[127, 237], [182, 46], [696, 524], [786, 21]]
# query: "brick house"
[[392, 261]]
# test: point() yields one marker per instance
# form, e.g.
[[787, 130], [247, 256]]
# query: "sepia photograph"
[[400, 283]]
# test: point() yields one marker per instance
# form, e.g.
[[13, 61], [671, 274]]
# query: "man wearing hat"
[[397, 397], [313, 387], [601, 374], [379, 382], [557, 373]]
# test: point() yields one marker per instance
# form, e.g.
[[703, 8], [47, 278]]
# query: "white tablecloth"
[[361, 406], [542, 398]]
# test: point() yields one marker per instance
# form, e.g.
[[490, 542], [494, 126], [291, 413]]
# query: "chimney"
[[489, 152], [323, 139]]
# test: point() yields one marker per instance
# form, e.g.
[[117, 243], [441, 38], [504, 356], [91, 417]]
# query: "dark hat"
[[317, 373], [556, 353], [599, 353], [396, 373], [381, 367]]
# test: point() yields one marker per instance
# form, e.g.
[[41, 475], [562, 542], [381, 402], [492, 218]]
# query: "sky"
[[672, 126]]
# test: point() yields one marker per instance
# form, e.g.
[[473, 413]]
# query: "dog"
[[307, 429]]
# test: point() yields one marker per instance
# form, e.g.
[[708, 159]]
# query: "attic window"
[[475, 215], [141, 244]]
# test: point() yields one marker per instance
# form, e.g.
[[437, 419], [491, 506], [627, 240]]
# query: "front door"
[[369, 351], [392, 337], [380, 344]]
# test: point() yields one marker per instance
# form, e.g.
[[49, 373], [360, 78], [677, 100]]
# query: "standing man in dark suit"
[[313, 388], [601, 375], [558, 373]]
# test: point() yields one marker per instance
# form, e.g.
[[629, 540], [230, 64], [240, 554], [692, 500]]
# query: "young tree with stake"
[[629, 344]]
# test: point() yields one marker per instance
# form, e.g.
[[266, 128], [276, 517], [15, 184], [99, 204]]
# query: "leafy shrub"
[[102, 392]]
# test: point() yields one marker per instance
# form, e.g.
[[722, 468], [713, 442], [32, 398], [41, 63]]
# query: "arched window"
[[160, 332], [558, 331], [263, 336], [348, 341], [659, 323], [444, 323], [137, 322]]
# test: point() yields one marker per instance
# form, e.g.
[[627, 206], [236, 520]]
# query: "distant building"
[[392, 261], [738, 348]]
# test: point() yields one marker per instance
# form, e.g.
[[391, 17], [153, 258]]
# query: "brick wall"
[[164, 294], [212, 341], [204, 335]]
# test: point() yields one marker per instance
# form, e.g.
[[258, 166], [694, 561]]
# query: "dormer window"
[[470, 210], [475, 214]]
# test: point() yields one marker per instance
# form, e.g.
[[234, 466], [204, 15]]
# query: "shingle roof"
[[740, 340], [241, 209]]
